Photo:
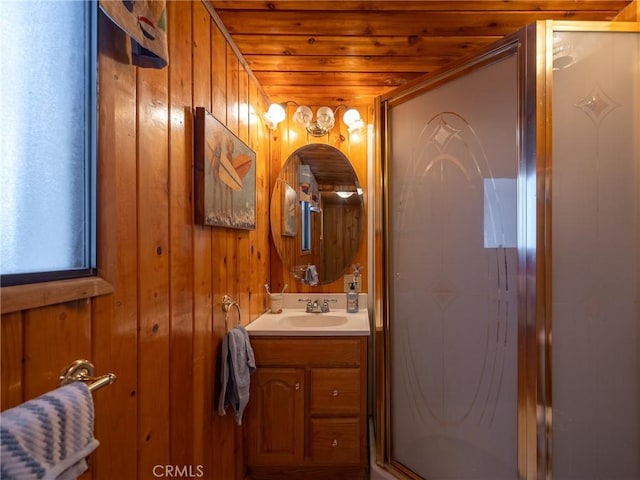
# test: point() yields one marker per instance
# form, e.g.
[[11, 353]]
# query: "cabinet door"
[[276, 416]]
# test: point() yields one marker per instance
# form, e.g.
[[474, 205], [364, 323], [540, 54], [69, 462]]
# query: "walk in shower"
[[512, 262]]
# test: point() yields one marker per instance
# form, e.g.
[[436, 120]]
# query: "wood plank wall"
[[160, 330]]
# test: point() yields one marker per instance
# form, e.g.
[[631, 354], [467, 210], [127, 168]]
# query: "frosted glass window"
[[47, 85]]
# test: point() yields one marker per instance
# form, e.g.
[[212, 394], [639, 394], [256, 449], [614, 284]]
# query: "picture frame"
[[224, 175]]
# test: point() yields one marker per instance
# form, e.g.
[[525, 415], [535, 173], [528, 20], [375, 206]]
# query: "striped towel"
[[48, 437]]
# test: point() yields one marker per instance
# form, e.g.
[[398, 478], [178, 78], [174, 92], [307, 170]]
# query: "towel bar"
[[84, 371], [227, 303]]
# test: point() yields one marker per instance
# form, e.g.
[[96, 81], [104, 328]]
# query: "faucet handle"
[[325, 306], [309, 305]]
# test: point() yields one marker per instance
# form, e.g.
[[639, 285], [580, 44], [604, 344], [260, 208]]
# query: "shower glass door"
[[512, 289], [453, 286]]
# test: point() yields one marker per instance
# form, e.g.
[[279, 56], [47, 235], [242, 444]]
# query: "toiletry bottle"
[[352, 299]]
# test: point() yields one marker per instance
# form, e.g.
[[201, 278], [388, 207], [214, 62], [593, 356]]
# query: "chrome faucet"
[[315, 308]]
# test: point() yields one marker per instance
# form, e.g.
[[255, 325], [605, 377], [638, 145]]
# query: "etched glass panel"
[[454, 267], [596, 256]]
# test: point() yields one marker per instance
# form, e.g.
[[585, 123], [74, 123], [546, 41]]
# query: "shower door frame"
[[533, 47]]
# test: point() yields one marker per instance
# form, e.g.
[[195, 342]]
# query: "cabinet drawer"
[[335, 441], [335, 390], [329, 352]]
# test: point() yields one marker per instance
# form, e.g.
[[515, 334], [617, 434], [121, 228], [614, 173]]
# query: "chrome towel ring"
[[227, 303]]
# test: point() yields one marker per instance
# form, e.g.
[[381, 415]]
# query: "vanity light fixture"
[[319, 126]]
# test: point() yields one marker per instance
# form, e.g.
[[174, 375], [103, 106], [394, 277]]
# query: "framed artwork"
[[224, 175], [289, 210]]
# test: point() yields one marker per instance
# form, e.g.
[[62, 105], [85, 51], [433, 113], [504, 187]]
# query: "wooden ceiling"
[[332, 52]]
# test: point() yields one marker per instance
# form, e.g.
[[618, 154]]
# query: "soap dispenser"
[[352, 299]]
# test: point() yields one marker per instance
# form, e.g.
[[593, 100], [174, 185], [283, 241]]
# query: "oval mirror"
[[317, 214]]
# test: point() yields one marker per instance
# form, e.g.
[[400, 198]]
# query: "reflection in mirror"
[[317, 214]]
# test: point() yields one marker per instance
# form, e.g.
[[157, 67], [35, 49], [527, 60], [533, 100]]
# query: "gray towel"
[[237, 364]]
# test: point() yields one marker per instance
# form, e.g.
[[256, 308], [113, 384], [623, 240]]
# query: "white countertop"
[[294, 321]]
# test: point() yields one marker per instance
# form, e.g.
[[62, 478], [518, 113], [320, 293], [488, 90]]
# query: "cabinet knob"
[[335, 392], [334, 443], [297, 385]]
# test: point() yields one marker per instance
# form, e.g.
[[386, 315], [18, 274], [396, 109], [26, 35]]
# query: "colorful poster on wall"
[[224, 176]]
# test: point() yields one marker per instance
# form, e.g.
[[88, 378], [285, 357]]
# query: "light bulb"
[[275, 114], [344, 194], [351, 116], [324, 117], [303, 115]]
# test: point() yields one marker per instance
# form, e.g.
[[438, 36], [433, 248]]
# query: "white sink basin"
[[295, 321], [312, 320]]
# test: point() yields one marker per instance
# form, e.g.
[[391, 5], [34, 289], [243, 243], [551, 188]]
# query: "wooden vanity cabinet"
[[306, 417]]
